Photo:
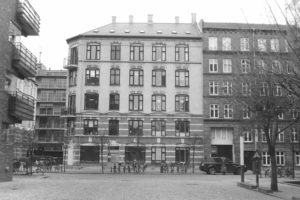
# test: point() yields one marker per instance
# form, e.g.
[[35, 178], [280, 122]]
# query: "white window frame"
[[228, 111], [262, 44], [213, 88], [246, 112], [261, 65], [214, 111], [277, 90], [244, 43], [264, 89], [213, 65], [227, 88], [245, 66], [297, 158], [213, 43], [246, 90], [274, 43], [280, 158], [294, 135], [227, 66], [226, 44], [266, 159], [280, 137], [248, 136]]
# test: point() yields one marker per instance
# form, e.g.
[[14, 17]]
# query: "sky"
[[62, 19]]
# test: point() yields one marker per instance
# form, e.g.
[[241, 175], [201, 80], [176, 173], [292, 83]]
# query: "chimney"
[[194, 20], [130, 19], [150, 20], [113, 19], [176, 19]]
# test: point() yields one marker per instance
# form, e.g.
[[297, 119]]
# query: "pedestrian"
[[124, 168], [115, 168], [223, 166]]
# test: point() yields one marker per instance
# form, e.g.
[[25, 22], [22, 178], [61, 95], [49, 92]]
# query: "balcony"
[[24, 61], [68, 112], [21, 106], [71, 62], [28, 18]]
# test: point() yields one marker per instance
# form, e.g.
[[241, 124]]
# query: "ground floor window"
[[266, 159], [135, 153], [297, 158], [89, 154], [280, 158], [182, 155], [158, 154]]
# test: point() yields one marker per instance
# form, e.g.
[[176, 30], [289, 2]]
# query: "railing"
[[25, 59], [21, 106], [68, 111], [60, 73], [70, 61], [28, 18], [50, 126], [23, 97]]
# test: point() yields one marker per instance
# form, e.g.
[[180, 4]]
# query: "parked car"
[[215, 164]]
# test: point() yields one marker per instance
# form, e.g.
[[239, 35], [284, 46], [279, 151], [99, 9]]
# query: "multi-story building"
[[51, 99], [231, 49], [136, 89], [17, 18]]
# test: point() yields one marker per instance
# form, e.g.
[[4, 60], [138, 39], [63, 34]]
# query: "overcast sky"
[[62, 19]]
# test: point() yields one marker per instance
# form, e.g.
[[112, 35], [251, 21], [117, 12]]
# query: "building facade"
[[229, 50], [133, 94], [18, 19], [51, 99]]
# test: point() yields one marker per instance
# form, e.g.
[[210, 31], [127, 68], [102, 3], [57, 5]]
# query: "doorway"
[[135, 153], [222, 151], [89, 154], [182, 155], [248, 155]]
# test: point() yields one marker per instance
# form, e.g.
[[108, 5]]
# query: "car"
[[214, 165]]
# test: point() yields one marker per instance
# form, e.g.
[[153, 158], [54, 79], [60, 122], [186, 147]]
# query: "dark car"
[[215, 164]]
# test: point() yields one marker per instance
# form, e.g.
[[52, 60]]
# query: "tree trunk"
[[274, 182]]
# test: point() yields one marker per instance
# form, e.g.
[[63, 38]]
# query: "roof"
[[243, 26], [160, 30]]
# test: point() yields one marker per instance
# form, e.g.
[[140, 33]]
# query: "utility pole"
[[194, 146]]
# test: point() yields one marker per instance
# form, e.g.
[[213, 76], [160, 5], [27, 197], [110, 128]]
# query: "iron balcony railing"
[[28, 18], [24, 61], [71, 62], [68, 111], [21, 106]]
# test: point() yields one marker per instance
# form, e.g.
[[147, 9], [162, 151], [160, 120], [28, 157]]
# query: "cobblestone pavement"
[[126, 186]]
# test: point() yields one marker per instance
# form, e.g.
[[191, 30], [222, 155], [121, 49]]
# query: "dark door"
[[224, 151], [182, 155], [89, 154], [248, 155]]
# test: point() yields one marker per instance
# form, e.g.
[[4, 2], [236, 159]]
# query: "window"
[[280, 137], [246, 90], [213, 65], [226, 44], [286, 46], [159, 77], [136, 77], [280, 160], [263, 136], [158, 102], [289, 67], [159, 52], [262, 44], [93, 51], [213, 88], [92, 76], [244, 44], [227, 66], [266, 158], [246, 112], [277, 90], [276, 67], [115, 53], [114, 101], [227, 88], [182, 78], [247, 136], [158, 128], [114, 76], [297, 158], [214, 110], [245, 66], [212, 43], [274, 45], [135, 127], [294, 136], [136, 102], [228, 111], [137, 52], [261, 66], [182, 128], [280, 116], [90, 127], [113, 128], [182, 103], [181, 52], [74, 56], [294, 114], [91, 101], [72, 77], [72, 103], [264, 90], [158, 154]]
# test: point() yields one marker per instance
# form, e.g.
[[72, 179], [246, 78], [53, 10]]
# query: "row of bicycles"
[[281, 172], [37, 165]]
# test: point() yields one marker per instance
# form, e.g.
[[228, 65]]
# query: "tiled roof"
[[243, 26], [145, 30]]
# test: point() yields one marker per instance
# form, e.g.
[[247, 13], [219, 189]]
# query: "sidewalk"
[[286, 190]]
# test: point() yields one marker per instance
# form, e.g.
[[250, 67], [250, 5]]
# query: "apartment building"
[[51, 99], [134, 93], [18, 19], [231, 49]]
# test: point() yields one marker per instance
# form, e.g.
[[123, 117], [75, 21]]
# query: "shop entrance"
[[89, 154], [135, 154], [182, 155]]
